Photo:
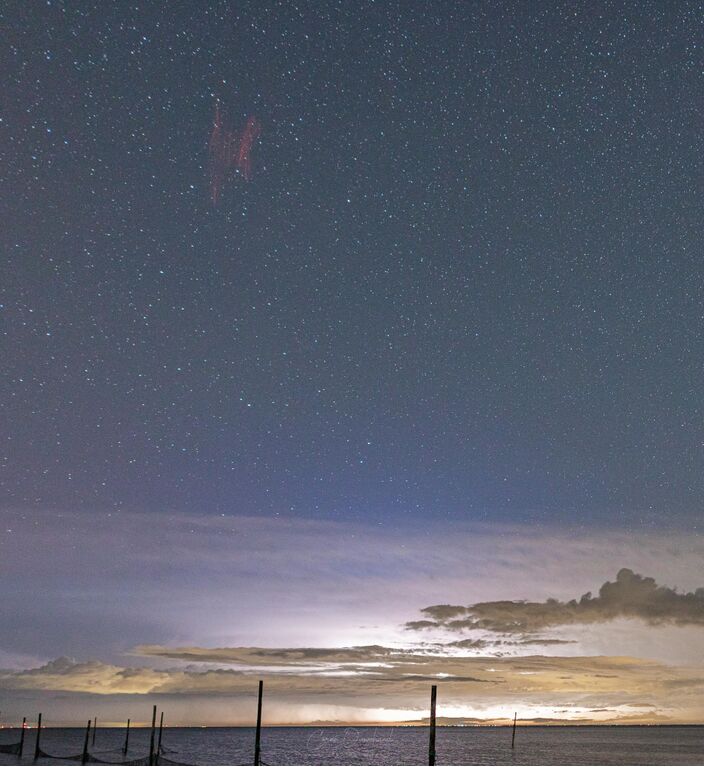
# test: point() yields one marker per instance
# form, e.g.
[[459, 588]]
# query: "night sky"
[[457, 287]]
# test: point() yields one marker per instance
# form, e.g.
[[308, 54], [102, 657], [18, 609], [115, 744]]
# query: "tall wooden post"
[[39, 734], [24, 722], [431, 744], [151, 739], [258, 734], [84, 757], [95, 728], [127, 739], [161, 729], [513, 735]]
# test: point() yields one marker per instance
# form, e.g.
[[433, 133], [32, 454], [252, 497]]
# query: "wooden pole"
[[151, 740], [84, 758], [513, 735], [431, 744], [95, 728], [161, 729], [258, 735], [127, 739], [39, 733], [24, 722]]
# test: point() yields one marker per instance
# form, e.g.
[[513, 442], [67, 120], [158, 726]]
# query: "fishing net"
[[72, 758], [94, 760], [91, 759]]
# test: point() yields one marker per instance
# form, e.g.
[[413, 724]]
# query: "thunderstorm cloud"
[[630, 596]]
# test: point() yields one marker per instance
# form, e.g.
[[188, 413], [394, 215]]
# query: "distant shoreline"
[[349, 726]]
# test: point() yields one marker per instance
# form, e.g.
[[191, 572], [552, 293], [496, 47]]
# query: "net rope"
[[10, 748], [91, 759], [94, 760], [72, 758]]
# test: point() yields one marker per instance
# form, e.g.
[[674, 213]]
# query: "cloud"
[[443, 612], [420, 625], [468, 644], [362, 683], [91, 676], [485, 644], [355, 584], [630, 596], [265, 656]]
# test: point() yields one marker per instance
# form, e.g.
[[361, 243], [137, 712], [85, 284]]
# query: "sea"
[[535, 745]]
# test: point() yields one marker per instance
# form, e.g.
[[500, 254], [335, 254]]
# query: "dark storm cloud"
[[469, 644], [444, 612], [630, 596], [275, 656], [493, 645], [419, 625], [432, 678]]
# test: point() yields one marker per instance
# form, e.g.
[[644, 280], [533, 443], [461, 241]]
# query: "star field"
[[464, 280]]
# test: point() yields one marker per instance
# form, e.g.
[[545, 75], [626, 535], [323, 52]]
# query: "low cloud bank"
[[355, 669], [373, 684]]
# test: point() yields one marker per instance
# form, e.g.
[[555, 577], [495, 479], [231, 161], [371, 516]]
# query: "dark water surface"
[[386, 745]]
